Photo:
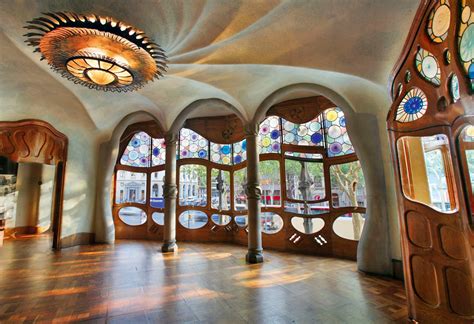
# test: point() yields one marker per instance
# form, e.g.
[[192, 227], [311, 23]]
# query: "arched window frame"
[[149, 229]]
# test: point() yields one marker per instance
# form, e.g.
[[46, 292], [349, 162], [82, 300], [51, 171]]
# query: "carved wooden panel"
[[431, 94], [301, 110], [32, 141], [221, 129]]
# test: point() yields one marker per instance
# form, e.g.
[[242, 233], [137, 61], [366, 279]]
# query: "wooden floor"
[[131, 282]]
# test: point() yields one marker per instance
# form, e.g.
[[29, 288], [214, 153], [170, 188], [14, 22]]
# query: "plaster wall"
[[39, 96]]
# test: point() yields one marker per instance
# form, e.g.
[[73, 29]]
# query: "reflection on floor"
[[132, 282]]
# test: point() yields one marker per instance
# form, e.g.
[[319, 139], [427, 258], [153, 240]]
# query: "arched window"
[[313, 189], [139, 179]]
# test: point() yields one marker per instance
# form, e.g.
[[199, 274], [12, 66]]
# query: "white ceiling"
[[238, 51]]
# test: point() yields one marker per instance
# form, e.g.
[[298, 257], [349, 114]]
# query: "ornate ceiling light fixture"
[[98, 52]]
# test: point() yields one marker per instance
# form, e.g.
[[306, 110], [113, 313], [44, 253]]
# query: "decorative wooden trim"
[[32, 141], [221, 129], [437, 247], [37, 141], [301, 110]]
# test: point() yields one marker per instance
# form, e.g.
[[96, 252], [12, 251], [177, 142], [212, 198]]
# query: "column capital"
[[171, 138], [253, 191], [251, 129], [170, 191]]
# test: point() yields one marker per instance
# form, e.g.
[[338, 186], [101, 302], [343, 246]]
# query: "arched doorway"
[[35, 141]]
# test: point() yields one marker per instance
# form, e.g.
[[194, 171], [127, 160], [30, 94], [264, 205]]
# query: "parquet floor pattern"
[[131, 282]]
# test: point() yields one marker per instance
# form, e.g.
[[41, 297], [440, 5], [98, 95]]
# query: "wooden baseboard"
[[21, 230], [77, 239]]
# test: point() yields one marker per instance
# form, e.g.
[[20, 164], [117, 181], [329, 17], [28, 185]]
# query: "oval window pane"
[[219, 219], [158, 218], [349, 226], [271, 223], [193, 219], [307, 225], [241, 221], [132, 216]]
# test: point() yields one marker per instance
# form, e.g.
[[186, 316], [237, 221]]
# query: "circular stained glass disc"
[[454, 88], [334, 131], [438, 22], [428, 67], [412, 107], [466, 45], [316, 138], [332, 115]]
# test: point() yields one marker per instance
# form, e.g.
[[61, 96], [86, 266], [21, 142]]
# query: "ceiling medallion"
[[98, 52]]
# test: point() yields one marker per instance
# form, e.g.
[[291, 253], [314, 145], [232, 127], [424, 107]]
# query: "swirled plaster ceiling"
[[238, 51]]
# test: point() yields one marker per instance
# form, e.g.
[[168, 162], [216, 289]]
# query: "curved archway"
[[374, 249], [108, 154]]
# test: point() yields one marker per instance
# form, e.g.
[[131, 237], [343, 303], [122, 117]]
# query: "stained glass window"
[[270, 135], [137, 152], [337, 137], [310, 133], [158, 151], [192, 145], [221, 153], [240, 151]]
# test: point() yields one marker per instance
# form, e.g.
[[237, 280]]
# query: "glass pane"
[[130, 187], [192, 145], [158, 218], [307, 209], [426, 171], [271, 223], [270, 183], [220, 189], [221, 153], [240, 152], [193, 219], [347, 185], [158, 151], [240, 181], [192, 185], [241, 221], [219, 219], [349, 226], [310, 133], [157, 182], [307, 225], [304, 180], [337, 138], [137, 152], [132, 216], [270, 135]]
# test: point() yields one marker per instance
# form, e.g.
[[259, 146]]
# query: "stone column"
[[170, 194], [253, 192]]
